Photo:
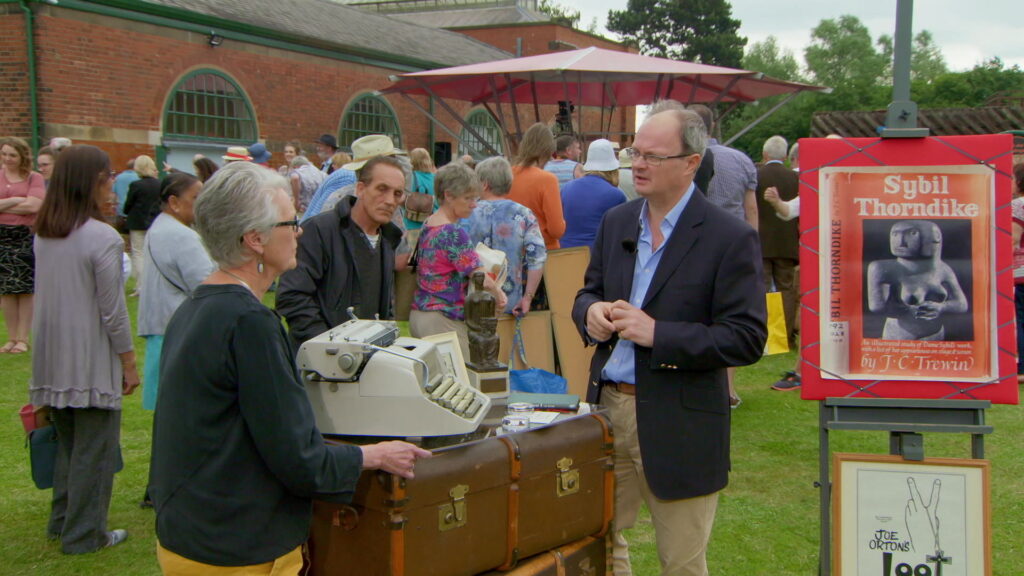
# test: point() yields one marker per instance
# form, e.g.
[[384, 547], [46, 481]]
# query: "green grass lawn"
[[767, 521]]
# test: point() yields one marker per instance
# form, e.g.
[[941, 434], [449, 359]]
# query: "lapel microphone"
[[629, 245]]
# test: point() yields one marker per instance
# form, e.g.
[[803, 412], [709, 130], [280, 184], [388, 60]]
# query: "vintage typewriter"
[[365, 380]]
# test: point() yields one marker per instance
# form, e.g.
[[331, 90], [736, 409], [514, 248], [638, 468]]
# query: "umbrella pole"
[[762, 117], [459, 119], [579, 104], [533, 89], [501, 112], [427, 113], [515, 110]]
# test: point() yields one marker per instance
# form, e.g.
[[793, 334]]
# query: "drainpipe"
[[33, 95]]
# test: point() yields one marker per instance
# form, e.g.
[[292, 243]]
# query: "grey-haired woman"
[[236, 457]]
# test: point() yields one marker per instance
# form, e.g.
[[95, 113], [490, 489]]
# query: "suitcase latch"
[[568, 480], [453, 514]]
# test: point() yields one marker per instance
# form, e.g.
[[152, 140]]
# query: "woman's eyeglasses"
[[295, 225]]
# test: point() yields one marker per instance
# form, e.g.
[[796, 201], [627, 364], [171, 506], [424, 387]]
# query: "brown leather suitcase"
[[586, 557], [474, 507]]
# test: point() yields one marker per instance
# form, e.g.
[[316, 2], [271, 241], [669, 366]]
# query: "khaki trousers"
[[172, 564], [682, 528]]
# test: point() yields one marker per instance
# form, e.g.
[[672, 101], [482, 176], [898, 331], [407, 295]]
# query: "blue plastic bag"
[[532, 380]]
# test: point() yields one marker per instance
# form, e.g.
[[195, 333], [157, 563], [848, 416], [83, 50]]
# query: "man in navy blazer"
[[672, 297]]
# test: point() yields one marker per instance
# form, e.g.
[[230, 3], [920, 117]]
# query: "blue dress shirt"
[[621, 365]]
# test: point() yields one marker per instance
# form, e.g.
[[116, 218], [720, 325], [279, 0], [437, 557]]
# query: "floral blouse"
[[445, 259], [512, 228]]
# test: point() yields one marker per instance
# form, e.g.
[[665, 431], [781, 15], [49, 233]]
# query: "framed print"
[[894, 517], [906, 275]]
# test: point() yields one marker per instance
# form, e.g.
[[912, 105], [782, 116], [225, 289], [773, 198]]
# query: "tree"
[[926, 61], [842, 56], [969, 89], [766, 57], [559, 13], [692, 30]]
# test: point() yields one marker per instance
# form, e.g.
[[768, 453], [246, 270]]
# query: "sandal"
[[20, 347], [6, 348]]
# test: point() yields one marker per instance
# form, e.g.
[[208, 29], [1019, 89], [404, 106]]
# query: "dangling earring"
[[259, 266]]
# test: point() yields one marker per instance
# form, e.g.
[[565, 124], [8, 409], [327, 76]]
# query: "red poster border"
[[994, 151]]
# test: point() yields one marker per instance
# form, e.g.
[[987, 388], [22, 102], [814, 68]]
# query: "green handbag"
[[42, 453]]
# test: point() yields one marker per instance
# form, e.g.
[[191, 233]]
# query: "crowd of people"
[[336, 235]]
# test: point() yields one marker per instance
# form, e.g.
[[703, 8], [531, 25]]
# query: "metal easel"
[[906, 420]]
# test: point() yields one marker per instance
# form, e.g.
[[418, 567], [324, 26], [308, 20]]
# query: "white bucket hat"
[[369, 147], [601, 157]]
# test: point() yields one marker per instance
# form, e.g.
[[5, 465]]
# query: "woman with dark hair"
[[141, 207], [84, 359], [21, 195], [536, 188], [44, 162], [204, 168], [177, 262], [237, 458]]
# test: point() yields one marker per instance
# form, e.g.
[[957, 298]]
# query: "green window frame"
[[367, 115], [486, 126], [207, 105]]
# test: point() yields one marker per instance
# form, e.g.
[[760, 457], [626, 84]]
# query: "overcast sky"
[[967, 31]]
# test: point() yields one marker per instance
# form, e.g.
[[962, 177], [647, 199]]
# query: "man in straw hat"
[[363, 150], [346, 257]]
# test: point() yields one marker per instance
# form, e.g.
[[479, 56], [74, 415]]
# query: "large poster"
[[908, 283], [906, 268]]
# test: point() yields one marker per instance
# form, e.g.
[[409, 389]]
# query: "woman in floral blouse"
[[446, 259], [512, 228]]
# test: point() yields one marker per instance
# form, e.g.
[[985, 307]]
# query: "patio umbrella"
[[587, 77], [593, 77]]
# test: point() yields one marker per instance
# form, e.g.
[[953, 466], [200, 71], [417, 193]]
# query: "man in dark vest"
[[779, 238], [346, 257]]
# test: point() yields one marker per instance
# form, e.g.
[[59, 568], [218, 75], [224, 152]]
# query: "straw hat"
[[369, 147], [625, 160], [601, 157], [237, 154]]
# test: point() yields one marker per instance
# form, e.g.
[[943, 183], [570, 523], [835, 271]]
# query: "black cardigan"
[[237, 458], [142, 205]]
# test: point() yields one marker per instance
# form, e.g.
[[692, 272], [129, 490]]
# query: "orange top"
[[537, 189]]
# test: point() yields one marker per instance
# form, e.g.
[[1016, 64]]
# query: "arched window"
[[206, 105], [486, 126], [367, 115]]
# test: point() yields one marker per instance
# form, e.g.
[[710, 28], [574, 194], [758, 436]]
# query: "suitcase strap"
[[515, 459]]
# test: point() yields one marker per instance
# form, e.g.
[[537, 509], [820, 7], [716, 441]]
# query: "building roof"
[[475, 17], [940, 121], [330, 24], [455, 13]]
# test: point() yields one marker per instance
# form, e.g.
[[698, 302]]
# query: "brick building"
[[172, 78]]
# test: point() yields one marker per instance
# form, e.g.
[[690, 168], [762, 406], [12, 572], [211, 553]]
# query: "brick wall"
[[536, 38], [105, 81], [15, 117]]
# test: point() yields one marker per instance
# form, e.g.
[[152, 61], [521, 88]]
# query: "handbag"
[[531, 380], [778, 342], [419, 203], [42, 455]]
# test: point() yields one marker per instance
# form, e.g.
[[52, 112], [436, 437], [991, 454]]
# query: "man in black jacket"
[[346, 257]]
